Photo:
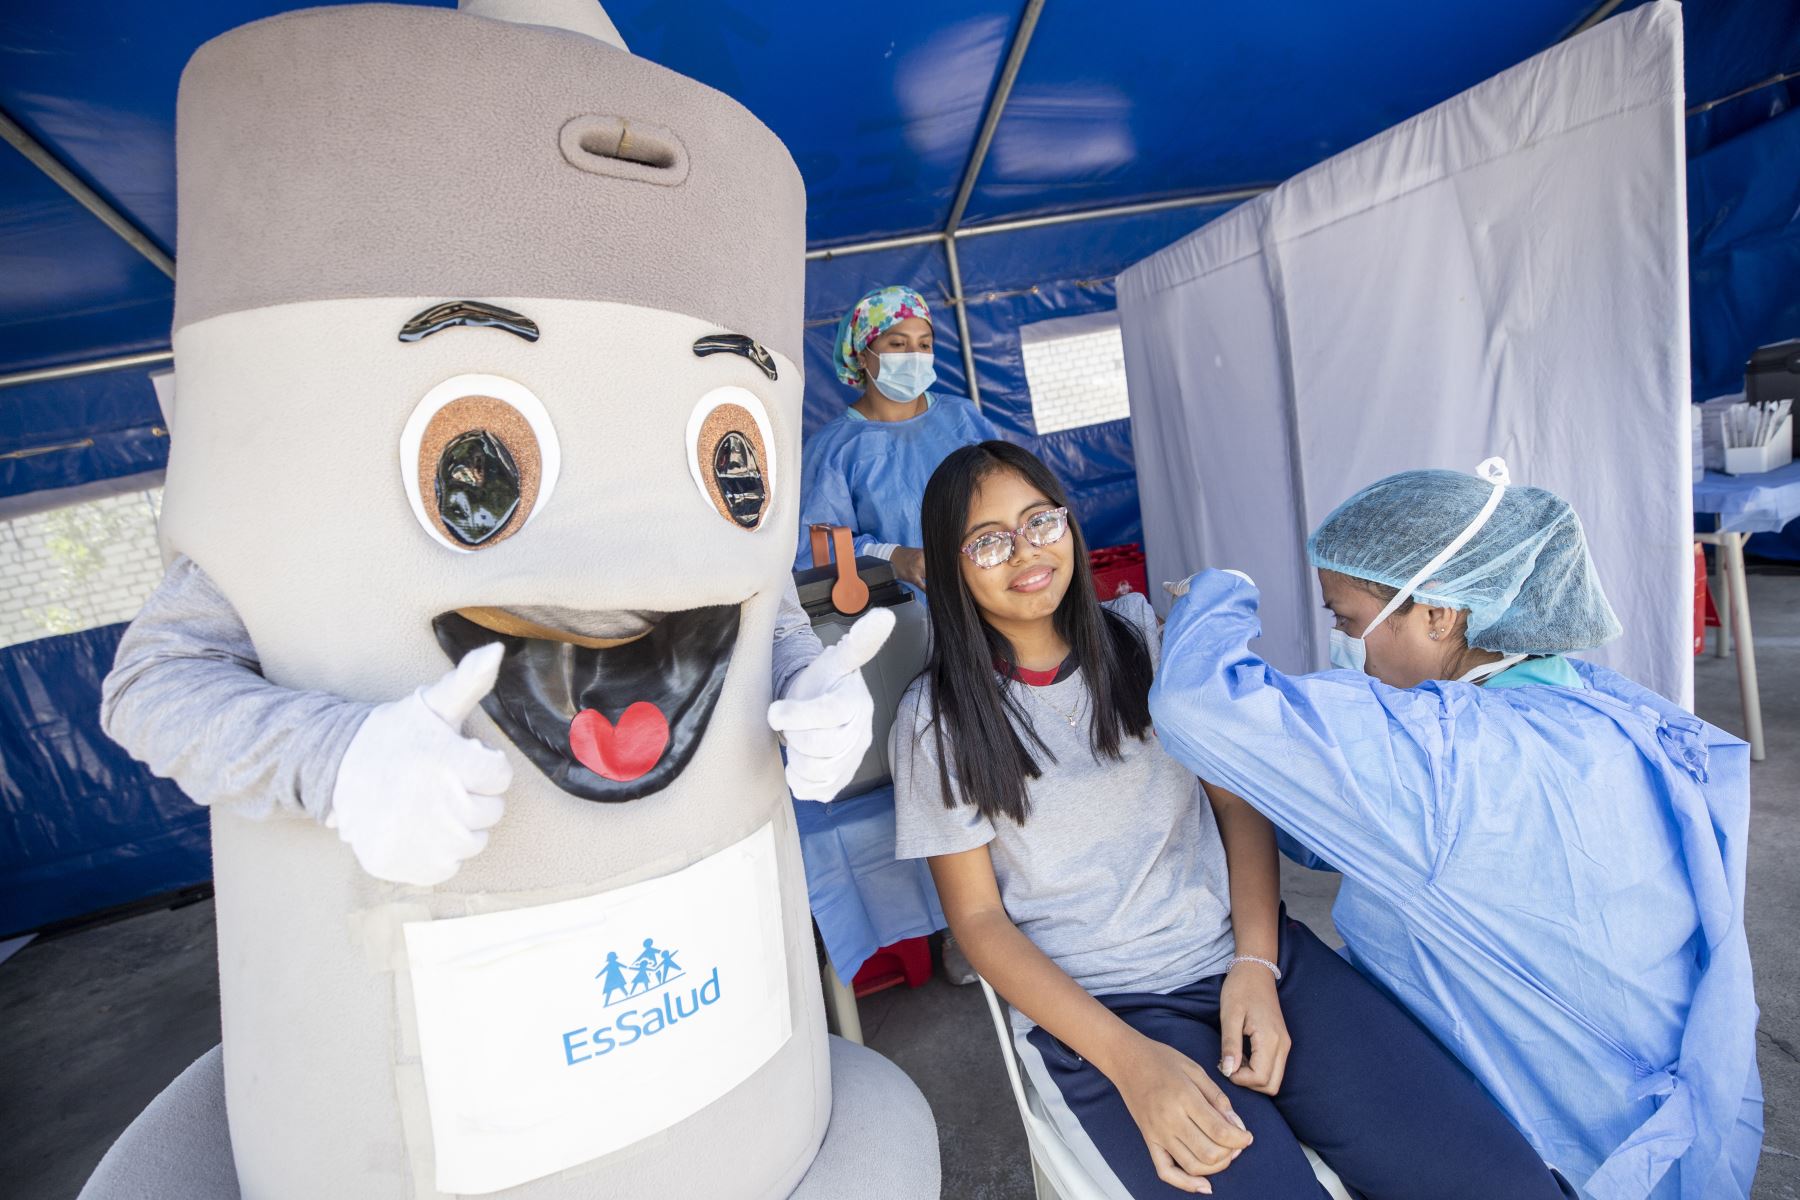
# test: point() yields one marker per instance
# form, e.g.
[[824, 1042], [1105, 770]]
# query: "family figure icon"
[[650, 970]]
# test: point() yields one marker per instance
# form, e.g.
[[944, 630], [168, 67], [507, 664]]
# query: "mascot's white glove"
[[826, 712], [413, 796]]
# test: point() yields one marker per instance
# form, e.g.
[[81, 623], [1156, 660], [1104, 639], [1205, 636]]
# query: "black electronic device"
[[1773, 373]]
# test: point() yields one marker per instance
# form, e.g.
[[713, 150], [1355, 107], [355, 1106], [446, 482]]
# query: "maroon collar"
[[1032, 678]]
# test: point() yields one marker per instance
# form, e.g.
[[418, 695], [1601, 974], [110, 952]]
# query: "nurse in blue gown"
[[867, 468], [1541, 859]]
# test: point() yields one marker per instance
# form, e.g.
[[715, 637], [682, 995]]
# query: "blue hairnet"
[[1525, 577]]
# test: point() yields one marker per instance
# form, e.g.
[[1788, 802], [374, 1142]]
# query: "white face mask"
[[1352, 653], [903, 378]]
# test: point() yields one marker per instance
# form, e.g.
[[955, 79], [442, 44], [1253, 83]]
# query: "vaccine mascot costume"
[[488, 342]]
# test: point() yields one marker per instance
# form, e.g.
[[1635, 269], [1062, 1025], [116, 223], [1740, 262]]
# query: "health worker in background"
[[867, 468], [1541, 859]]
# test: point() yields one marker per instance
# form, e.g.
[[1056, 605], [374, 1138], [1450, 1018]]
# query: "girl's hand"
[[1185, 1119], [1250, 1008]]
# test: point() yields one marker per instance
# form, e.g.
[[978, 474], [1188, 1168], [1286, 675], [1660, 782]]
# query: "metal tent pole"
[[1107, 212], [949, 239], [962, 322], [954, 228], [84, 195], [890, 243], [1009, 74], [149, 358], [1594, 18], [990, 121], [1771, 81], [1114, 210]]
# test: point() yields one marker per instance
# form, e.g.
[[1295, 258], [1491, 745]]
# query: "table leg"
[[1740, 619], [1722, 600], [841, 1016]]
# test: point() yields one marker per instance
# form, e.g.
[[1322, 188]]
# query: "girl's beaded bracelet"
[[1244, 958]]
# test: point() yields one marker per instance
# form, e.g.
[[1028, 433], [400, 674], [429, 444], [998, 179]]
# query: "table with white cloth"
[[1739, 506], [862, 897]]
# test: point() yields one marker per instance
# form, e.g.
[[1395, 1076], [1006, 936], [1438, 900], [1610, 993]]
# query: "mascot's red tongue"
[[624, 751]]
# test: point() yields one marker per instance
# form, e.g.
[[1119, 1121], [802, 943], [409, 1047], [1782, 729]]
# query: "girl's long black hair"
[[970, 709]]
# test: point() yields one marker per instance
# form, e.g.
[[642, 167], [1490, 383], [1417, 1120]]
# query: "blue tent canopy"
[[937, 139], [1130, 104]]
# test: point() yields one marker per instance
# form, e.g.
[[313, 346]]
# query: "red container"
[[1704, 612], [907, 961], [1118, 570]]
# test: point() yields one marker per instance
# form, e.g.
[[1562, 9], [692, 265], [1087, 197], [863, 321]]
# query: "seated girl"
[[1185, 1034]]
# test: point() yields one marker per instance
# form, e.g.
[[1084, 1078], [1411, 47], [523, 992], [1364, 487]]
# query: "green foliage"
[[81, 540], [78, 538]]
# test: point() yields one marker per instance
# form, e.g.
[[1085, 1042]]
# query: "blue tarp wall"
[[1135, 101], [86, 828]]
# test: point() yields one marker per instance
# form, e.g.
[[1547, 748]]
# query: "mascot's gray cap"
[[514, 148]]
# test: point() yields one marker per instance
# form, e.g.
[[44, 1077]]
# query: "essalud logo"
[[644, 982]]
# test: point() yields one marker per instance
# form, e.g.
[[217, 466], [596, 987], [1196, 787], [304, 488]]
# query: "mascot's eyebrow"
[[735, 343], [468, 312]]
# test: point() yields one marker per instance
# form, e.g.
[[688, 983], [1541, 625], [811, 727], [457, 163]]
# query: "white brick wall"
[[74, 568], [1075, 368]]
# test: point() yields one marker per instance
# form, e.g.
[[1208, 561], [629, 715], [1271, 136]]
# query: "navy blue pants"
[[1381, 1101]]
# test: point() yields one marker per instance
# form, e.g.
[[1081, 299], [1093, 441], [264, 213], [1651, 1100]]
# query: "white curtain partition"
[[1504, 274]]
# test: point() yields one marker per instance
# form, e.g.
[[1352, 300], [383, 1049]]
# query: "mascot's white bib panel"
[[556, 1034]]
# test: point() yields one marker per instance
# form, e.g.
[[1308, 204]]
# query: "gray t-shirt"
[[1117, 874]]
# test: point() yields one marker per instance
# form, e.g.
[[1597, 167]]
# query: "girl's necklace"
[[1070, 717]]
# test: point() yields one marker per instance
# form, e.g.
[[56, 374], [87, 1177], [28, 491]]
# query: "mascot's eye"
[[731, 454], [478, 459], [477, 487]]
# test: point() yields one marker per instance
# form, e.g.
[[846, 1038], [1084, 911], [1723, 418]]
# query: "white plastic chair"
[[1055, 1171]]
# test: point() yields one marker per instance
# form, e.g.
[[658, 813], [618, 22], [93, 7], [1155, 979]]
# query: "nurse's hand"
[[1250, 1008], [1184, 1118], [909, 565]]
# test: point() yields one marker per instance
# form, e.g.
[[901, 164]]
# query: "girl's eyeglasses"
[[996, 546]]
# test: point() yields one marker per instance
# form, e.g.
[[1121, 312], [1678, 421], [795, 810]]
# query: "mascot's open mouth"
[[609, 705]]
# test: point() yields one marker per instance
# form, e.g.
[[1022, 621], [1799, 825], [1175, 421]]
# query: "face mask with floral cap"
[[903, 378]]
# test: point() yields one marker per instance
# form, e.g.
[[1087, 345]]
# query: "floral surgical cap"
[[874, 315]]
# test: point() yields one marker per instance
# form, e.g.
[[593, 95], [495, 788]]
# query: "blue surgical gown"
[[871, 475], [1550, 878]]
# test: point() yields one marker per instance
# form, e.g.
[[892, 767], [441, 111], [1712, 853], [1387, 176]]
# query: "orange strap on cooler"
[[849, 595]]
